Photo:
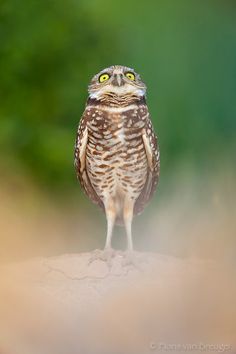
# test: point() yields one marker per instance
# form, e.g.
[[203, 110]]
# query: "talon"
[[132, 259], [104, 255]]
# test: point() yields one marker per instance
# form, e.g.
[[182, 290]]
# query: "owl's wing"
[[80, 162], [153, 162]]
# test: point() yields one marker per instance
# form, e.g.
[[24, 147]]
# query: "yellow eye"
[[130, 76], [103, 77]]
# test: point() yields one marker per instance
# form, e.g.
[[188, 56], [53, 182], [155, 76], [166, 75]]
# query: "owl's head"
[[116, 80]]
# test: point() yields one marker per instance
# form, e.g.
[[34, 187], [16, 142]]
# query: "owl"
[[117, 157]]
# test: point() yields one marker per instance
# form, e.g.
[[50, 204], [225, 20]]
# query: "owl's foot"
[[104, 255], [132, 258]]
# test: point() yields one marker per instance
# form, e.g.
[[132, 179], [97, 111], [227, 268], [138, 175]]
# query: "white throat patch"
[[118, 90]]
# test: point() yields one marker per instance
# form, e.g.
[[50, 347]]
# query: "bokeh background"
[[185, 51]]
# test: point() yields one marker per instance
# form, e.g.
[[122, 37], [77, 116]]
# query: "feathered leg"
[[107, 253], [111, 217], [128, 217], [130, 257]]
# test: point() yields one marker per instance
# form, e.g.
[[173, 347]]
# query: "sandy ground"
[[66, 305]]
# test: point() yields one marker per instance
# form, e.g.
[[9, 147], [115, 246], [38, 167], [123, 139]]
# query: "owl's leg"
[[111, 217], [128, 217], [130, 257], [108, 252]]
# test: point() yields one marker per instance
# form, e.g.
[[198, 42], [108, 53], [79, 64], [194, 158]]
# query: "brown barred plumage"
[[117, 157]]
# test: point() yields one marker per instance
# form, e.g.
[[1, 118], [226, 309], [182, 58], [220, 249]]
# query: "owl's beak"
[[117, 81]]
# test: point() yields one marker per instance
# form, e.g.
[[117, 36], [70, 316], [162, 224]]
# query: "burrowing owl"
[[117, 157]]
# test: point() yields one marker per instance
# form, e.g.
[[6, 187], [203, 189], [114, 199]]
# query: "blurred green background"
[[184, 50]]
